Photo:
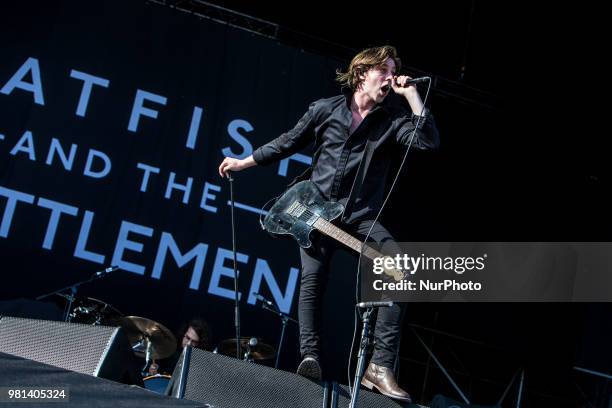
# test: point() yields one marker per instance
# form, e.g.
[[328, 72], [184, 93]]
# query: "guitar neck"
[[339, 235]]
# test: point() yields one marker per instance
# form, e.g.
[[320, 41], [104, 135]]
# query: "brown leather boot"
[[383, 379]]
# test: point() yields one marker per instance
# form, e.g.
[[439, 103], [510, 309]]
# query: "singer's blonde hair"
[[364, 61]]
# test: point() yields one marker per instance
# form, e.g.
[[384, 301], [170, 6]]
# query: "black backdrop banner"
[[114, 117]]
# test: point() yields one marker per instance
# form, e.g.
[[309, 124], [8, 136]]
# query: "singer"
[[354, 135]]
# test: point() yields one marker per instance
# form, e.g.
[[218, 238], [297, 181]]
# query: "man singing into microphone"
[[354, 135]]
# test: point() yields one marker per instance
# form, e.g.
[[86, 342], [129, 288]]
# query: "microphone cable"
[[356, 316]]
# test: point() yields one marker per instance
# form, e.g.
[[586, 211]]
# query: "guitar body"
[[302, 208], [297, 210]]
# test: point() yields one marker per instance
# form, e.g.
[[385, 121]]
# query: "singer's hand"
[[409, 92], [231, 164], [398, 84]]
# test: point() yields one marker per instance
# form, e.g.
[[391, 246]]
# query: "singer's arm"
[[414, 100], [290, 142], [426, 136], [281, 147]]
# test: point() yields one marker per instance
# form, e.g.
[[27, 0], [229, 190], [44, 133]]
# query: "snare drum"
[[157, 383]]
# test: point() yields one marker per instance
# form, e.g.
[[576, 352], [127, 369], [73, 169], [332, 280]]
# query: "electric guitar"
[[302, 209]]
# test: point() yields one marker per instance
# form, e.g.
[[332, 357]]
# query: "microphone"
[[415, 81], [107, 270], [263, 299], [365, 305]]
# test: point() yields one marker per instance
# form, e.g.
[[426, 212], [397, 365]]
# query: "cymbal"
[[88, 310], [110, 315], [141, 330], [261, 351], [104, 305]]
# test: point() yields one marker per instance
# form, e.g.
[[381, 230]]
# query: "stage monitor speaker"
[[79, 390], [341, 398], [100, 351], [222, 381]]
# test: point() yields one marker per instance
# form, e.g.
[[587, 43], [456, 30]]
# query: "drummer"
[[195, 333]]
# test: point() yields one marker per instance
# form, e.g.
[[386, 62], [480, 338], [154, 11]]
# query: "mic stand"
[[285, 318], [363, 346], [73, 290], [236, 298]]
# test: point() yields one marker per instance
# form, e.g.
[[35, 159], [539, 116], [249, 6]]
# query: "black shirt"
[[352, 168]]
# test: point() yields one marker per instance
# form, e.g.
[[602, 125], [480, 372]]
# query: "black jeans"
[[315, 269]]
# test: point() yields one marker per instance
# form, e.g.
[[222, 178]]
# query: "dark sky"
[[432, 36]]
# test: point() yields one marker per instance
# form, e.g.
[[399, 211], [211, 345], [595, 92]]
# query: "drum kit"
[[153, 341], [149, 339]]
